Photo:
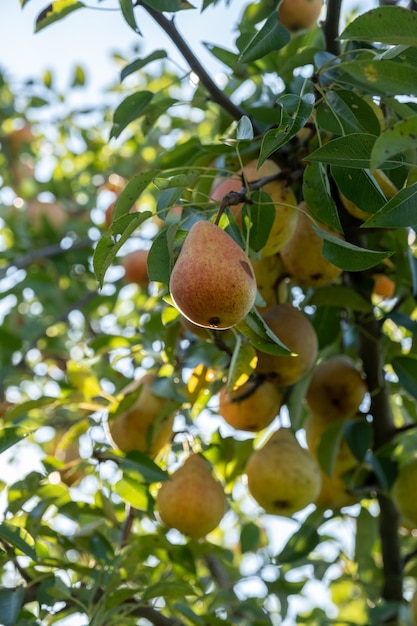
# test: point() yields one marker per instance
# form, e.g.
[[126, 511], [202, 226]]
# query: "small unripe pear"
[[192, 501], [212, 283], [298, 14], [250, 407], [283, 477]]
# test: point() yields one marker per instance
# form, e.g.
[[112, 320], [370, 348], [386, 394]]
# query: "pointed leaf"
[[132, 107], [11, 601], [360, 187], [353, 150], [329, 446], [359, 436], [19, 538], [386, 24], [242, 364], [131, 193], [261, 216], [316, 192], [346, 255], [382, 77], [9, 437], [244, 129], [55, 11], [400, 138], [300, 544], [170, 6], [399, 212], [139, 63], [260, 335], [128, 13], [272, 36]]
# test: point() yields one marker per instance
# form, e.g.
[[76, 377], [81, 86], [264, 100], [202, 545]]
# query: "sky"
[[89, 36]]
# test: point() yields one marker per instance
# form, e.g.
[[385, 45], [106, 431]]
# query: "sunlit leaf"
[[132, 107], [299, 545], [138, 64], [19, 538], [170, 6], [400, 138], [383, 76], [55, 11], [260, 335], [386, 24], [127, 7], [272, 36], [399, 212]]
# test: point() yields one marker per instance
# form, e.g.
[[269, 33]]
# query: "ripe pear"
[[250, 407], [212, 283], [282, 196], [299, 14], [336, 389], [136, 268], [192, 501], [283, 477], [303, 258], [147, 425], [42, 213], [295, 331], [403, 492]]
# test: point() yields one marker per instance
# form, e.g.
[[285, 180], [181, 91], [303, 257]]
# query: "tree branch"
[[331, 26], [215, 92]]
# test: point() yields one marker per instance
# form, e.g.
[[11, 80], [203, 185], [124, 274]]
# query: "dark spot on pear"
[[247, 268], [316, 276], [214, 322], [281, 504]]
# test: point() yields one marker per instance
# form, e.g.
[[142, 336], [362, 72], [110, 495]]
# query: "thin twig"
[[217, 94], [331, 26]]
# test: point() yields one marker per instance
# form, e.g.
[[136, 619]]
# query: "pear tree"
[[208, 363]]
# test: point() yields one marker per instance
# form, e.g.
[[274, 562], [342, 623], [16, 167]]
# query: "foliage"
[[81, 536]]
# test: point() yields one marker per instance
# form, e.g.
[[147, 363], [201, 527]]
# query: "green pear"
[[283, 477], [192, 501], [212, 283]]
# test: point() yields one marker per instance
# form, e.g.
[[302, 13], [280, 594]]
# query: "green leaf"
[[382, 77], [405, 366], [55, 11], [329, 446], [386, 24], [19, 538], [132, 107], [360, 187], [353, 150], [78, 77], [347, 256], [169, 589], [9, 437], [242, 363], [272, 36], [131, 193], [160, 255], [336, 116], [137, 462], [106, 249], [300, 544], [139, 63], [249, 537], [316, 192], [340, 297], [133, 492], [261, 217], [260, 335], [399, 212], [170, 6], [11, 601], [128, 13], [295, 112], [359, 436], [400, 138]]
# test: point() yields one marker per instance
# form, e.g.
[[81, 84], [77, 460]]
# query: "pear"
[[192, 501], [299, 14], [250, 407], [212, 283], [294, 329], [403, 492], [283, 477], [147, 425], [303, 258], [336, 389], [269, 272]]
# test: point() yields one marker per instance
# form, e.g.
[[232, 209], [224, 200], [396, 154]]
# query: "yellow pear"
[[336, 389], [299, 14], [250, 407], [68, 452], [212, 283], [303, 258], [403, 492], [283, 477], [192, 501], [281, 194], [147, 425], [295, 331]]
